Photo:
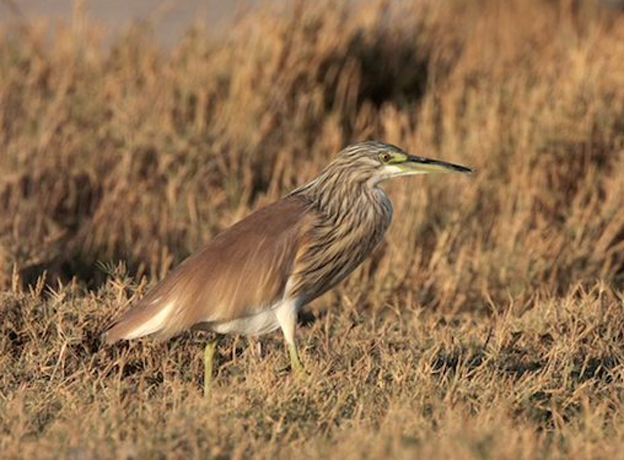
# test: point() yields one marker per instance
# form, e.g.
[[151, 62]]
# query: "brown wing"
[[242, 271]]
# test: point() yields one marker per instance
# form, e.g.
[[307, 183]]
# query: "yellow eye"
[[385, 157]]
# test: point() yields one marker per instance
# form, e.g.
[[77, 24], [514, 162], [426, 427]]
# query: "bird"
[[254, 277]]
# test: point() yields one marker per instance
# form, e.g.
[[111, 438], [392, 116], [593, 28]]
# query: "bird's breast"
[[338, 244]]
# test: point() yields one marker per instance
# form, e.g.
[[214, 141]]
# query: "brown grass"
[[489, 325]]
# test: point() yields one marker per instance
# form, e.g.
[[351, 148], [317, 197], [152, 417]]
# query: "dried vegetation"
[[489, 325]]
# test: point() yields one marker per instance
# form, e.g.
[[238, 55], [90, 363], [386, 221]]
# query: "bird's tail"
[[143, 319]]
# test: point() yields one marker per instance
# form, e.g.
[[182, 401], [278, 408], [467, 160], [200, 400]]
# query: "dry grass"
[[489, 325]]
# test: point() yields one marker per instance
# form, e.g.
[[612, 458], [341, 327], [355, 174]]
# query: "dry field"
[[490, 324]]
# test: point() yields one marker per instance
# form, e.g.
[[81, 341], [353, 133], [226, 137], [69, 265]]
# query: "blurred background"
[[169, 19], [135, 131]]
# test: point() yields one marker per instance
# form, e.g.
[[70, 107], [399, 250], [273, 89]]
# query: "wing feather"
[[241, 272]]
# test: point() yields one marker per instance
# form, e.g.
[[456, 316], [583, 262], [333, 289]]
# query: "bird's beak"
[[417, 165]]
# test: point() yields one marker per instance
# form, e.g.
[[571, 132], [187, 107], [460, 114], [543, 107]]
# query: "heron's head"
[[376, 161]]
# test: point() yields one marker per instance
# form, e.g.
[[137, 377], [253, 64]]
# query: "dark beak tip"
[[470, 171], [450, 166], [463, 169]]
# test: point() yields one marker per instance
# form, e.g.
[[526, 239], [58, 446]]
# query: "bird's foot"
[[209, 352], [295, 363]]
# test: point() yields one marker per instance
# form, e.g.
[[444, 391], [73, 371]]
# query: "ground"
[[490, 322]]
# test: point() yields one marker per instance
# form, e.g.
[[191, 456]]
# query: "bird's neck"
[[350, 220], [339, 192]]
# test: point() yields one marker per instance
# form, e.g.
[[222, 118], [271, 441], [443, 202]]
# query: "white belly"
[[260, 323]]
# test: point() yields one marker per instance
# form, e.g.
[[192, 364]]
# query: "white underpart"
[[286, 316], [154, 324], [282, 314]]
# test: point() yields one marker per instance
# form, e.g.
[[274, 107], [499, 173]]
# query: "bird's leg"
[[209, 351], [287, 319], [295, 362]]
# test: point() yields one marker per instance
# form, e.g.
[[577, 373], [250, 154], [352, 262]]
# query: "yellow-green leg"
[[287, 317], [209, 351], [295, 362]]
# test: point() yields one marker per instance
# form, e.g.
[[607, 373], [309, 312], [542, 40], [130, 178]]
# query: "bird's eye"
[[385, 157]]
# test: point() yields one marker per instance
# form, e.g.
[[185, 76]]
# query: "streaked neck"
[[338, 189]]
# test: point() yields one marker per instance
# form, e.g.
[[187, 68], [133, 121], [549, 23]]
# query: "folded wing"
[[242, 272]]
